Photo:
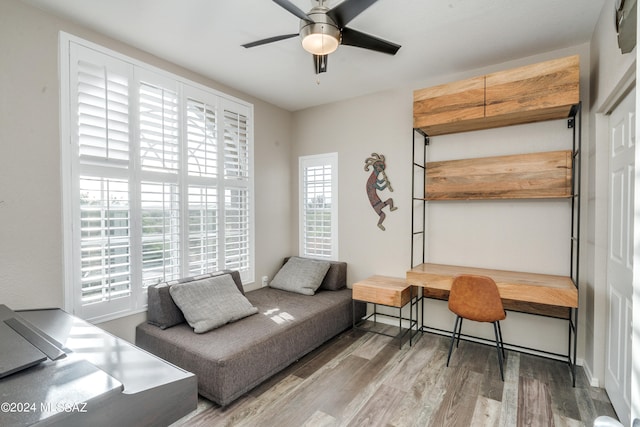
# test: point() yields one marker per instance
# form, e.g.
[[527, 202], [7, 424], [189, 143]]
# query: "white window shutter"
[[105, 239], [159, 128], [160, 211], [203, 230], [237, 200], [318, 210], [236, 145], [236, 231], [102, 95], [159, 182], [100, 136], [202, 139]]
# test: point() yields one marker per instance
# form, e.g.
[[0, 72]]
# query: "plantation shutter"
[[160, 209], [203, 230], [157, 181], [102, 89], [159, 128], [105, 241], [202, 139], [100, 100], [159, 159], [318, 207], [237, 237], [203, 206]]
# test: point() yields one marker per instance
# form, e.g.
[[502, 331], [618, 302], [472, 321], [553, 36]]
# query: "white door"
[[620, 256]]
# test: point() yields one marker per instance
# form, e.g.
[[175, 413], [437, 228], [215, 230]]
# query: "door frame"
[[632, 126], [635, 344]]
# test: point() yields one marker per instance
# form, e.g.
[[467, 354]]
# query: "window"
[[319, 206], [157, 180]]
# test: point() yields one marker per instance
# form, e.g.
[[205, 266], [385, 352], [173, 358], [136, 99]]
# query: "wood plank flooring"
[[363, 379]]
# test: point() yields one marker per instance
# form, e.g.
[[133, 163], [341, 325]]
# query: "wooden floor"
[[363, 379]]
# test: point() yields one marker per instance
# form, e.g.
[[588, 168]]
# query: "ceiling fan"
[[322, 30]]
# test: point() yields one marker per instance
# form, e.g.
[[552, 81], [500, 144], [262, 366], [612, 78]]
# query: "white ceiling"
[[437, 37]]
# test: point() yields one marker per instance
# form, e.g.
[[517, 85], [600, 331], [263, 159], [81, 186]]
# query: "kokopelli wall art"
[[378, 181]]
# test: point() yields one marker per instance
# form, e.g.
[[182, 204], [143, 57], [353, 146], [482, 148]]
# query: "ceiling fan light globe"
[[320, 44], [321, 37]]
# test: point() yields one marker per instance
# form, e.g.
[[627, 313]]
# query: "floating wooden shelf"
[[530, 176], [544, 91]]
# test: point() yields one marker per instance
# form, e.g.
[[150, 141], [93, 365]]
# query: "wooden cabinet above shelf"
[[544, 91]]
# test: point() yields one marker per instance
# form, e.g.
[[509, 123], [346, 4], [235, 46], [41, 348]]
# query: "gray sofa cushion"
[[336, 277], [300, 275], [210, 303], [163, 312]]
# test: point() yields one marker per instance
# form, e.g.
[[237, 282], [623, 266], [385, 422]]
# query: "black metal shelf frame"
[[423, 203], [574, 122]]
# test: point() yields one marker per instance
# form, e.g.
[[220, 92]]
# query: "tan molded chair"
[[477, 298]]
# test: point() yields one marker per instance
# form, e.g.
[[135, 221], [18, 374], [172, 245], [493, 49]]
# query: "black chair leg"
[[453, 338], [459, 331], [501, 342], [498, 345]]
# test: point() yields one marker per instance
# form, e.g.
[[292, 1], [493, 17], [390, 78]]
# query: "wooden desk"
[[541, 294]]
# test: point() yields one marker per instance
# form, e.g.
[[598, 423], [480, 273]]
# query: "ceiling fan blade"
[[320, 63], [366, 41], [269, 40], [343, 13], [292, 8]]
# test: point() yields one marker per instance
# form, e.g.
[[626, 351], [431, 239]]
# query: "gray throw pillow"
[[300, 275], [210, 303], [162, 311]]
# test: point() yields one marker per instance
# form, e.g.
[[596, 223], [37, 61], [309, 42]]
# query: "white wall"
[[517, 235], [356, 128], [611, 74], [30, 215]]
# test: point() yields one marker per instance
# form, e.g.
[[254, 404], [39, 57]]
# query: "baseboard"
[[593, 381]]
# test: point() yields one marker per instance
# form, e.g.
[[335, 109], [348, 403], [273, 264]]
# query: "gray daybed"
[[234, 358]]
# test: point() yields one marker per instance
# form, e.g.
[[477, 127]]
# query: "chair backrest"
[[476, 298]]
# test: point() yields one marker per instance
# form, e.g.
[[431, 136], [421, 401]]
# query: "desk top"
[[535, 288]]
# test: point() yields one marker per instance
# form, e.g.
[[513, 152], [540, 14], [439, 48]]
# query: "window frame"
[[316, 160], [70, 177]]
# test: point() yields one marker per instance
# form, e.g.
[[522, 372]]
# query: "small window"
[[319, 206]]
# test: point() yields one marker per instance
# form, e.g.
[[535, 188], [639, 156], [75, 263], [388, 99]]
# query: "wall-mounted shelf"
[[531, 176]]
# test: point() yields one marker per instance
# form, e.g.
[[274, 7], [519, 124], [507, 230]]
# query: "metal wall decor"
[[378, 181]]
